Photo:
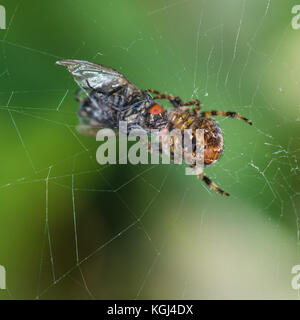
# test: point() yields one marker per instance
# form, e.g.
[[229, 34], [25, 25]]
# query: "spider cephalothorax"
[[109, 98]]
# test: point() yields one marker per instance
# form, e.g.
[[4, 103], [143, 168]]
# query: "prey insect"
[[106, 97]]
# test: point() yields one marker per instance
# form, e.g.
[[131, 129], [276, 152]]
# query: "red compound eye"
[[156, 109]]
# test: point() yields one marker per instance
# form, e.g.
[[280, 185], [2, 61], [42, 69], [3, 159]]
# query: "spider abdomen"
[[213, 138]]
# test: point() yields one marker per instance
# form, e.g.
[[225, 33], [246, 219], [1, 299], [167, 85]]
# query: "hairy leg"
[[208, 114], [211, 184], [175, 100]]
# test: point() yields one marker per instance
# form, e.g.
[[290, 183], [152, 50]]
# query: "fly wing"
[[96, 76]]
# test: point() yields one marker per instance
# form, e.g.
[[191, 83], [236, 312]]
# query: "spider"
[[110, 98], [181, 117]]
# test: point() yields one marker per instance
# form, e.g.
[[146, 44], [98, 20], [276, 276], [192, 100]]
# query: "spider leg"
[[176, 101], [207, 114], [211, 184], [196, 103]]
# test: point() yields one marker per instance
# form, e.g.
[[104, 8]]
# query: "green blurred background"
[[150, 232]]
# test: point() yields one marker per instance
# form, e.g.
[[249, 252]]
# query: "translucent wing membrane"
[[95, 76]]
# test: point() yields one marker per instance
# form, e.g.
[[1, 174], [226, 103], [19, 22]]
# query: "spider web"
[[71, 228]]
